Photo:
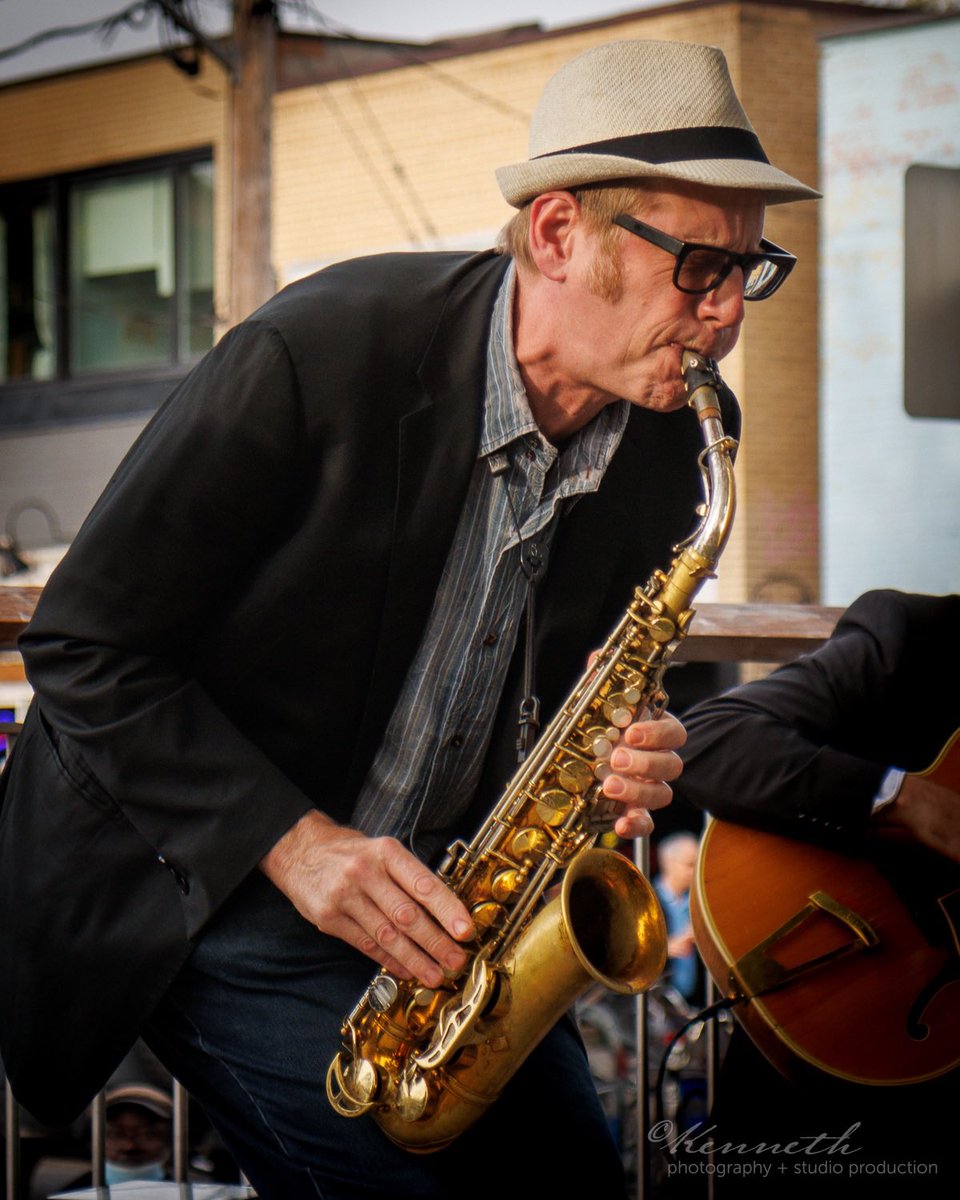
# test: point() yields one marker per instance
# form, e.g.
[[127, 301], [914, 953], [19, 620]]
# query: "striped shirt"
[[428, 765]]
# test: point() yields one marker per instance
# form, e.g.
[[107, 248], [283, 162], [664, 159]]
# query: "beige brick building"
[[381, 147]]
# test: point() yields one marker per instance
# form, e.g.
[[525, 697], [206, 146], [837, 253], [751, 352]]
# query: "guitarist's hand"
[[924, 812]]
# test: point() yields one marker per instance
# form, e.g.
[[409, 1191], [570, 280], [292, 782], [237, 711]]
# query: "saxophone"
[[427, 1062]]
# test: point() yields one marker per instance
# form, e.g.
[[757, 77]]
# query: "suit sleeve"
[[803, 751], [109, 650]]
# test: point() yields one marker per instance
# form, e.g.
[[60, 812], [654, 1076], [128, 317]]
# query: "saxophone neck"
[[702, 380]]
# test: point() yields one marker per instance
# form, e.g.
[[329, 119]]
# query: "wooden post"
[[254, 47]]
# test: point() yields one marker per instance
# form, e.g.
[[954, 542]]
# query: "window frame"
[[120, 392]]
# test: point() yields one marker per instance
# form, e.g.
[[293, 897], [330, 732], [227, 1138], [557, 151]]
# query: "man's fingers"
[[403, 918], [410, 914], [643, 764], [641, 793], [666, 733], [634, 823], [431, 894], [353, 934], [372, 893], [662, 765], [373, 931]]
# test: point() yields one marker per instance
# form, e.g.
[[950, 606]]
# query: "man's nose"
[[725, 303]]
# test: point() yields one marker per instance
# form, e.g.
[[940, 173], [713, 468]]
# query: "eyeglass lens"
[[699, 269], [702, 269]]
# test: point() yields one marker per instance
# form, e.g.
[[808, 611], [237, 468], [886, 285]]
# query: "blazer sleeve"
[[109, 650], [803, 751]]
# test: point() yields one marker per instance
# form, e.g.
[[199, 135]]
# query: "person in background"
[[138, 1134], [677, 862]]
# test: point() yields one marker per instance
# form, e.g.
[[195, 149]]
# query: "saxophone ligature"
[[427, 1062]]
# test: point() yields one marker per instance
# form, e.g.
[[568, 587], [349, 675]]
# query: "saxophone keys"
[[574, 776], [621, 717], [528, 840], [352, 1087], [662, 629], [413, 1095], [486, 915], [421, 999], [554, 806], [417, 1012], [364, 1080], [505, 883], [382, 992], [618, 708], [602, 747]]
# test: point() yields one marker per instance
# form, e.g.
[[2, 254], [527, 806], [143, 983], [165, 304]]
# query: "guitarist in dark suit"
[[823, 750]]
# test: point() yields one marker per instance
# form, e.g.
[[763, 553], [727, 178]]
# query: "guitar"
[[844, 964]]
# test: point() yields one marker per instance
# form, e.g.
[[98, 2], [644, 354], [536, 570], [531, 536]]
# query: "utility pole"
[[254, 50]]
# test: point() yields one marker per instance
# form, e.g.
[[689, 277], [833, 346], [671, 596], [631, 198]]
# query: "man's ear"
[[554, 221]]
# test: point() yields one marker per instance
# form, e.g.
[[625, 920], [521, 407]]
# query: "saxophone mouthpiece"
[[701, 378]]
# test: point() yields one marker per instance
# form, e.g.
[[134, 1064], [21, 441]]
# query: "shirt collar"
[[506, 411]]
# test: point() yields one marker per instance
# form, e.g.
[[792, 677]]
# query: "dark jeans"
[[250, 1027]]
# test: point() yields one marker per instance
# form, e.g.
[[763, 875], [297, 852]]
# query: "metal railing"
[[180, 1186]]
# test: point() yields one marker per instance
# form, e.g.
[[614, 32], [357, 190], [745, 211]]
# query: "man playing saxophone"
[[282, 665]]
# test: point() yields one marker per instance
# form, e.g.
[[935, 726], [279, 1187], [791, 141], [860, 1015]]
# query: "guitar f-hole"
[[948, 973]]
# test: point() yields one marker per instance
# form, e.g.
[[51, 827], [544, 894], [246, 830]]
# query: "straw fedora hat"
[[664, 110]]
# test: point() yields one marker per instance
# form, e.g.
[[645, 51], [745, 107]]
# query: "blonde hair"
[[599, 203]]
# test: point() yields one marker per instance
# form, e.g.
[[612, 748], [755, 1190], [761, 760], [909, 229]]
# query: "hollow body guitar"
[[844, 964]]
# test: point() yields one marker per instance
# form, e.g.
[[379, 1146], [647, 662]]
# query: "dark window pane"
[[932, 292], [27, 291]]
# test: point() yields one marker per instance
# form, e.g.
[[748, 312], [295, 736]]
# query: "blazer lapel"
[[436, 442]]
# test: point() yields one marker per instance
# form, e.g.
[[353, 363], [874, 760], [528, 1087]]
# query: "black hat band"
[[676, 145]]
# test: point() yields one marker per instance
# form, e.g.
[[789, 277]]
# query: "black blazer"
[[802, 752], [227, 636]]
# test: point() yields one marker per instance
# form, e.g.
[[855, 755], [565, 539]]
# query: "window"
[[932, 291], [106, 277], [27, 307]]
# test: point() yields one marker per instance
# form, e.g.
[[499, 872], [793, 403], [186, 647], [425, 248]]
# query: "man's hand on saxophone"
[[373, 894], [378, 897], [644, 764]]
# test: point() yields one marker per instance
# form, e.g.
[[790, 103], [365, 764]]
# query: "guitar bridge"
[[758, 971]]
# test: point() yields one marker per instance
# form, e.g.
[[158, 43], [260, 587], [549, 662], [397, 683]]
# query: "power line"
[[176, 15], [374, 125], [408, 56], [136, 16], [363, 155]]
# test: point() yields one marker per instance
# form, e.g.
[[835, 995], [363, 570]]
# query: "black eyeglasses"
[[701, 268]]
